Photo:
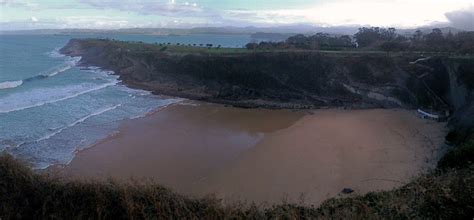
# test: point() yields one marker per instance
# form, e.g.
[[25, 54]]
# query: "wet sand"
[[266, 155], [178, 145]]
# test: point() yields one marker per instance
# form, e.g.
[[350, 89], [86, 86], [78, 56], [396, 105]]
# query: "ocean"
[[51, 108]]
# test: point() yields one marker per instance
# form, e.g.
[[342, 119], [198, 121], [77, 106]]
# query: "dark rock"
[[347, 190]]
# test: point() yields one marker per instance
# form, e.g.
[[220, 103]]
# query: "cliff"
[[288, 78]]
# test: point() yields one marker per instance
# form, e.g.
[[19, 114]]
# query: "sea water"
[[50, 108]]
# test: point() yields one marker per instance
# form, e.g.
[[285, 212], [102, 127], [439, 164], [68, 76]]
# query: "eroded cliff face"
[[461, 92], [290, 79]]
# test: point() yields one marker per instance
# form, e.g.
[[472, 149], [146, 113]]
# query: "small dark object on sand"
[[347, 190]]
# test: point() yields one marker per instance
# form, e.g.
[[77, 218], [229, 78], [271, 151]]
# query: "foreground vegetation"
[[446, 193]]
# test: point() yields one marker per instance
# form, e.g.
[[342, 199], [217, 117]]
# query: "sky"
[[114, 14]]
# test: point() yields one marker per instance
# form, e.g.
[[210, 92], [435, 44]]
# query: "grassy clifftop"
[[446, 193]]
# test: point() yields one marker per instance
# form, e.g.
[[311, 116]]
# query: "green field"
[[187, 49]]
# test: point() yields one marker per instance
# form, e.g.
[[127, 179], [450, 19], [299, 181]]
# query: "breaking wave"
[[10, 84], [98, 112], [40, 97], [71, 62], [55, 53]]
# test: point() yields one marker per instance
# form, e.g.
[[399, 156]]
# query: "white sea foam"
[[167, 103], [57, 71], [40, 97], [55, 53], [71, 62], [48, 73], [10, 84], [99, 71], [98, 112]]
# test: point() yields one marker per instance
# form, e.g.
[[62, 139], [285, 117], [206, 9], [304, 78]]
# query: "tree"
[[389, 46], [465, 42], [345, 41], [435, 39], [251, 46], [417, 41], [366, 37], [389, 34], [449, 41], [418, 35], [299, 41]]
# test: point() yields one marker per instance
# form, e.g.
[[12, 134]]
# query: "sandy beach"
[[178, 145], [266, 155]]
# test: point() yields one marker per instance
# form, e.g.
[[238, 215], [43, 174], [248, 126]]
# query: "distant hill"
[[271, 36], [274, 31], [428, 29], [305, 29]]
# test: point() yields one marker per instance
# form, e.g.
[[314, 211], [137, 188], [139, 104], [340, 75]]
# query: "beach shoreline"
[[264, 155], [187, 115]]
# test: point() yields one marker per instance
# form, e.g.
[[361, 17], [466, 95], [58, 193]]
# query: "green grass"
[[187, 49]]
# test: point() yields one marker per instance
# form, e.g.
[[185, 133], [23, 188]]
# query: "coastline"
[[111, 136], [268, 155], [209, 126], [130, 154]]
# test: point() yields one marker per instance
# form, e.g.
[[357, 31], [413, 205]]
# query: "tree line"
[[375, 38], [190, 45]]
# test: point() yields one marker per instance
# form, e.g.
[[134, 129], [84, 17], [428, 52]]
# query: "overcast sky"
[[33, 14]]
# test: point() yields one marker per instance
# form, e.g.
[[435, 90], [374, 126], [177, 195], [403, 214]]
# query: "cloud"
[[27, 24], [147, 7], [7, 2], [462, 19], [397, 13], [187, 13], [84, 22], [100, 22], [19, 3]]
